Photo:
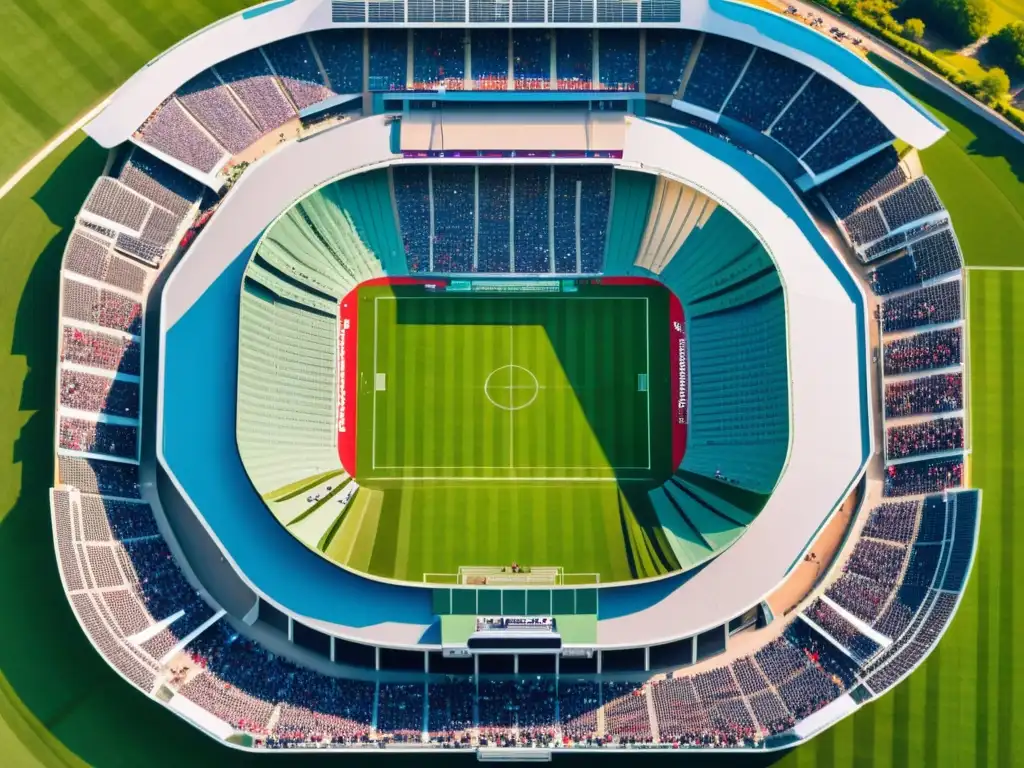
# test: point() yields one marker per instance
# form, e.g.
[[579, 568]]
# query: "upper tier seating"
[[618, 59], [867, 181], [173, 131], [251, 80], [388, 59], [574, 59], [294, 64], [855, 134], [810, 115], [531, 65], [766, 87], [439, 58], [210, 102], [668, 50], [490, 59], [341, 53], [719, 64]]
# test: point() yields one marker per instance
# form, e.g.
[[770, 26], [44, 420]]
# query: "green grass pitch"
[[62, 707], [500, 428]]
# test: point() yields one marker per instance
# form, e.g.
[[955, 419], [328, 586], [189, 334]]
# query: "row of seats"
[[936, 255], [225, 109], [494, 219], [123, 582]]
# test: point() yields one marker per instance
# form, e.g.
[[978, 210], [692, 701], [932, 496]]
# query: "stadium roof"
[[831, 435], [136, 100]]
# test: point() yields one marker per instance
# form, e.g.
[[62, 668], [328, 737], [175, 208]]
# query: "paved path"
[[875, 45]]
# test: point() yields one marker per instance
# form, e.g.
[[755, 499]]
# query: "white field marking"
[[491, 297], [492, 478], [647, 347], [994, 269], [42, 154], [498, 477], [373, 446], [535, 387], [511, 412]]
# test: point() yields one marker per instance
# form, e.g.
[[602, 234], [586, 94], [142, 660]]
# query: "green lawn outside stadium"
[[60, 705]]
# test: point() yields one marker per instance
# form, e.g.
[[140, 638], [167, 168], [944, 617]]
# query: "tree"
[[995, 84], [1007, 45], [962, 21], [913, 29]]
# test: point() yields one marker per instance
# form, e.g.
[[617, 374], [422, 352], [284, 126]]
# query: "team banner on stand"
[[680, 380]]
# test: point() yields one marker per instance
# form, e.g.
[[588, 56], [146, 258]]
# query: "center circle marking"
[[492, 383]]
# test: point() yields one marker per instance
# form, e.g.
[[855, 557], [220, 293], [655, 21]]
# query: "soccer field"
[[545, 387], [495, 428]]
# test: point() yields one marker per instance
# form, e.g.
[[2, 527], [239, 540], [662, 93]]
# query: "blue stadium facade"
[[165, 547]]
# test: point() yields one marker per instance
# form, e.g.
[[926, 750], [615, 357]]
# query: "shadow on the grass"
[[989, 140]]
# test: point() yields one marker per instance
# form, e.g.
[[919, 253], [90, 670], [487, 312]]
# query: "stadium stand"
[[922, 352], [839, 629], [439, 59], [98, 437], [867, 181], [618, 59], [810, 115], [412, 198], [212, 104], [910, 203], [626, 715], [117, 203], [297, 438], [495, 219], [927, 476], [933, 305], [341, 53], [929, 258], [171, 130], [856, 133], [666, 55], [768, 84], [578, 702], [922, 438], [531, 65], [739, 431], [293, 62], [893, 521], [531, 187], [453, 192], [719, 64], [574, 59], [490, 59], [250, 79], [99, 394], [388, 59]]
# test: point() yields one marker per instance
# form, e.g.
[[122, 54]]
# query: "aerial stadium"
[[526, 379]]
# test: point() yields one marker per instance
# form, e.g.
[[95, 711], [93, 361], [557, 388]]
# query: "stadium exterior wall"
[[197, 384], [136, 100]]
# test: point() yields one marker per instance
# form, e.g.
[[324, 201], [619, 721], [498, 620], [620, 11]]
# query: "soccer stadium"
[[525, 379]]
